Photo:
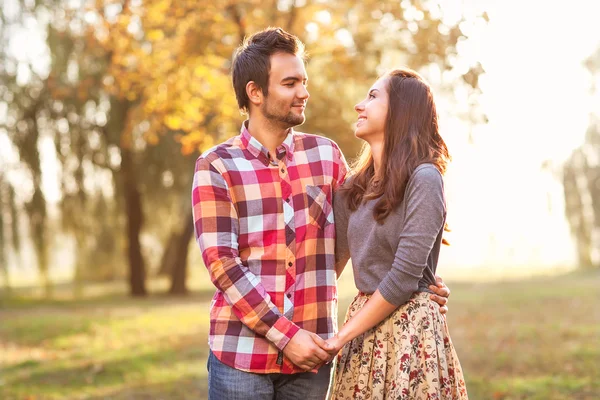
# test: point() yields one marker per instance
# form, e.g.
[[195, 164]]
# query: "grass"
[[535, 339], [531, 339]]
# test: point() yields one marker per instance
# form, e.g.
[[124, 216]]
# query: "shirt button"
[[290, 264], [283, 170], [289, 295]]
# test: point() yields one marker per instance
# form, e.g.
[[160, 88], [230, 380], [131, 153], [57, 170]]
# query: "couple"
[[278, 214]]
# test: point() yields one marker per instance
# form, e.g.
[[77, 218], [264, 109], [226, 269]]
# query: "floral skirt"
[[407, 356]]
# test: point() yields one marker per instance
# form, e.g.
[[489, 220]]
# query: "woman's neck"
[[377, 153]]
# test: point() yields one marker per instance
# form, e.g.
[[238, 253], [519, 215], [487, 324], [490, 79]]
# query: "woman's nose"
[[304, 93]]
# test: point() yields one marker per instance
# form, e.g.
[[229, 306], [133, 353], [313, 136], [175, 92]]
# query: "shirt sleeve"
[[424, 219], [341, 168], [341, 216], [216, 227], [341, 213]]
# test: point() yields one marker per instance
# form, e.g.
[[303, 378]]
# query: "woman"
[[390, 216]]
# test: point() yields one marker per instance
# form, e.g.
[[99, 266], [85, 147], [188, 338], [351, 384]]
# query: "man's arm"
[[216, 227]]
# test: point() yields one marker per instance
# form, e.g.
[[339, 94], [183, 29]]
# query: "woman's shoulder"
[[426, 176], [342, 192], [348, 181], [426, 172], [340, 202], [427, 168]]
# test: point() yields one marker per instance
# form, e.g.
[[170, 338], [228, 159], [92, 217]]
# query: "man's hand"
[[442, 292], [306, 350]]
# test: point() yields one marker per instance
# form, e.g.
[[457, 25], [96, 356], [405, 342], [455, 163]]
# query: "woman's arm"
[[425, 212], [341, 216], [375, 310], [423, 220]]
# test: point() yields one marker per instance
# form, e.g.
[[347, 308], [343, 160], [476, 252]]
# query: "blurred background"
[[105, 105]]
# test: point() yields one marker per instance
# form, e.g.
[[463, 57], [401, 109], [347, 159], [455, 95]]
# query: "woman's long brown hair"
[[411, 138]]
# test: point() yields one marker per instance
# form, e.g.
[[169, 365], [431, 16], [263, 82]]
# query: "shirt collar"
[[286, 149]]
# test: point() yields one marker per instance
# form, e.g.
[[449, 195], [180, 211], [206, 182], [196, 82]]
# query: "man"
[[264, 222]]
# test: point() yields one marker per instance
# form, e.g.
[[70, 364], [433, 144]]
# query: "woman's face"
[[372, 113]]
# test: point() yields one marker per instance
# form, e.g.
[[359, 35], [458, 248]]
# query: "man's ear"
[[254, 93]]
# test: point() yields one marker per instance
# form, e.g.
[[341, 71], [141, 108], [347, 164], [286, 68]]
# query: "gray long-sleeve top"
[[400, 256]]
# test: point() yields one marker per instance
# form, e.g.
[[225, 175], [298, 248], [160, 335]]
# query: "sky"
[[505, 211]]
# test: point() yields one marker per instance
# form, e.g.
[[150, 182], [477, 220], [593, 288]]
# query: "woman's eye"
[[371, 96]]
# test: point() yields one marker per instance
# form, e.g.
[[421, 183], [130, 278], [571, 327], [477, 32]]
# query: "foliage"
[[133, 91]]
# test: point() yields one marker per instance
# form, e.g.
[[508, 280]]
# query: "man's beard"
[[273, 113]]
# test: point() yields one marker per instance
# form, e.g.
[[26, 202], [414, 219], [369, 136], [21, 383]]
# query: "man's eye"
[[289, 84]]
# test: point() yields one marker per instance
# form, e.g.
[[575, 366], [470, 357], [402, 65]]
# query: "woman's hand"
[[335, 344]]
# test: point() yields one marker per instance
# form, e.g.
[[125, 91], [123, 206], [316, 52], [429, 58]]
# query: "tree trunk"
[[179, 268], [36, 209], [42, 253], [133, 210], [574, 209], [6, 274], [79, 264], [3, 257], [169, 255]]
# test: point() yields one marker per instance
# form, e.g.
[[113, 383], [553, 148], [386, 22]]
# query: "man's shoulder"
[[327, 148], [314, 140], [225, 150]]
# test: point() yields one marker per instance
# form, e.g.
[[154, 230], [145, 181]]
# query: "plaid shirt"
[[266, 233]]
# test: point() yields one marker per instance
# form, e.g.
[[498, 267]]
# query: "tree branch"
[[237, 18]]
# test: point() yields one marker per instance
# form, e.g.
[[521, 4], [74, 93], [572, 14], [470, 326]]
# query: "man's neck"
[[268, 134]]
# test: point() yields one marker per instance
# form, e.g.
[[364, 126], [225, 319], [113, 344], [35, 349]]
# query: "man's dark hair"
[[252, 60]]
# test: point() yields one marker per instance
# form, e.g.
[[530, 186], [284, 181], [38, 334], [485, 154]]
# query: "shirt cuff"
[[392, 294], [282, 332]]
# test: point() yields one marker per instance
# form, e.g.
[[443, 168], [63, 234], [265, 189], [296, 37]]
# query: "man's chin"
[[300, 121], [295, 120]]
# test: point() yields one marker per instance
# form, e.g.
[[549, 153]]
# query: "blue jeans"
[[227, 383]]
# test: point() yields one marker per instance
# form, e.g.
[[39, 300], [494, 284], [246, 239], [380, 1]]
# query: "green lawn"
[[534, 339]]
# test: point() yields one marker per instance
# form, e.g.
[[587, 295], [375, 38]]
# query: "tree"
[[10, 242], [3, 256], [581, 183], [136, 90], [23, 125]]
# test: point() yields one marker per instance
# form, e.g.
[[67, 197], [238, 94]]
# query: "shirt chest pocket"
[[318, 206]]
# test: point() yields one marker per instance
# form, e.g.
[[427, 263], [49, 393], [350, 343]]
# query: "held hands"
[[334, 344], [442, 292], [307, 350]]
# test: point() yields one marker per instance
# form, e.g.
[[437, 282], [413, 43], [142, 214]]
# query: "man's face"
[[286, 101]]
